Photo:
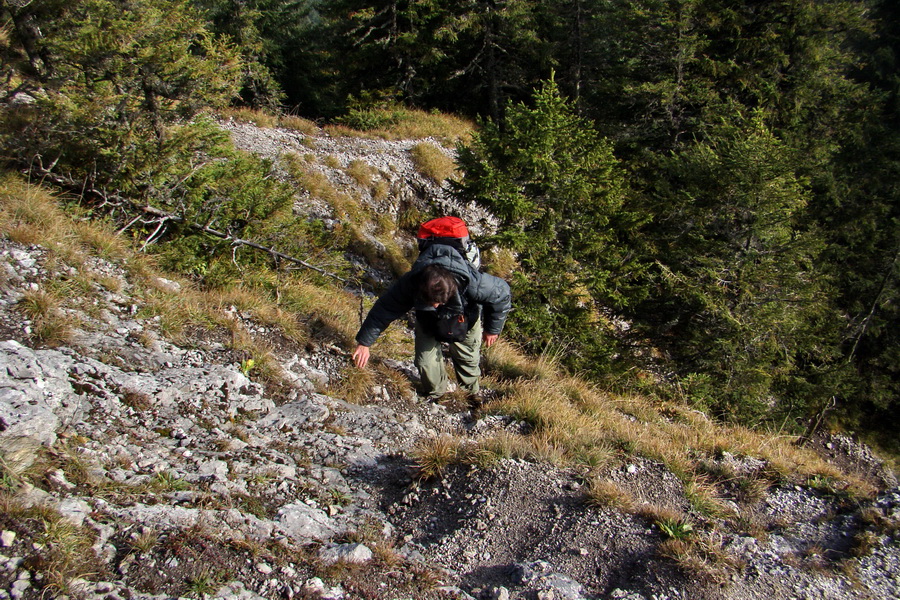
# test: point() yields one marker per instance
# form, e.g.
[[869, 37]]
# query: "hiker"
[[454, 303]]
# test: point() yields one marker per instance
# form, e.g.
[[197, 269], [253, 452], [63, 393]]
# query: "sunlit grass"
[[29, 214], [403, 124], [578, 417], [265, 312], [606, 493], [361, 172], [702, 557], [325, 307], [510, 362], [101, 239], [432, 162], [502, 445], [354, 385], [300, 124], [50, 325], [433, 456], [256, 117]]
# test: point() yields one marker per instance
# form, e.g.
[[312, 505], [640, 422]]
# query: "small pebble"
[[7, 538]]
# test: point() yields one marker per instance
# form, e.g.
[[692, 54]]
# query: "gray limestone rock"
[[526, 573], [316, 588], [348, 553], [560, 587], [295, 416], [235, 591], [161, 516], [304, 523], [75, 510], [36, 398]]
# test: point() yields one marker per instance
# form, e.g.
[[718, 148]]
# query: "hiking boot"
[[432, 397], [475, 401]]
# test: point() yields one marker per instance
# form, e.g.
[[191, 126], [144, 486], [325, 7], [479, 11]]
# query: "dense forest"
[[722, 176]]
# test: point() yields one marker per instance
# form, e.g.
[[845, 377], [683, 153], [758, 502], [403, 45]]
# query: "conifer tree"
[[560, 194], [120, 84], [651, 80], [463, 56], [861, 217], [741, 298], [119, 104], [251, 27]]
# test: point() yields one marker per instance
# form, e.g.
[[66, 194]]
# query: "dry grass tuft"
[[248, 115], [304, 126], [502, 445], [434, 455], [660, 514], [102, 240], [176, 313], [753, 489], [405, 124], [432, 162], [361, 172], [312, 181], [701, 557], [50, 325], [545, 447], [398, 259], [880, 522], [704, 497], [143, 541], [63, 553], [261, 363], [606, 493], [29, 214], [318, 185], [526, 404], [387, 554], [864, 543], [507, 361], [381, 190], [398, 385], [264, 311], [327, 307], [355, 385]]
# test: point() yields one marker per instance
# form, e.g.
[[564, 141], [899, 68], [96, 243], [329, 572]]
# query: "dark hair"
[[437, 285]]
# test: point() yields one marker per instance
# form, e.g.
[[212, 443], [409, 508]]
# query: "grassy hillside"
[[567, 421]]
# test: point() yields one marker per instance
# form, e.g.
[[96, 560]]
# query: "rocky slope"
[[135, 467]]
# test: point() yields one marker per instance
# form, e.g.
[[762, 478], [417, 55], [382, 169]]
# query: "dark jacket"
[[488, 293]]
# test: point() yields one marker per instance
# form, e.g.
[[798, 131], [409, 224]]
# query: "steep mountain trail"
[[138, 467]]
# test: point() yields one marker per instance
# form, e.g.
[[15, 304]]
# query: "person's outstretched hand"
[[489, 339], [361, 356]]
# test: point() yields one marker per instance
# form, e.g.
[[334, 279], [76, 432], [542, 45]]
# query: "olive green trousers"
[[466, 357]]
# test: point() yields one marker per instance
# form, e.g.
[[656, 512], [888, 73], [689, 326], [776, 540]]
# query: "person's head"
[[437, 285]]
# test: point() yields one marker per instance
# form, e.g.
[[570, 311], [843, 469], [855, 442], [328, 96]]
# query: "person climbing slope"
[[454, 303]]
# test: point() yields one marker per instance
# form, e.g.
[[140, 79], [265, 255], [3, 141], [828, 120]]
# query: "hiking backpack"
[[450, 231]]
